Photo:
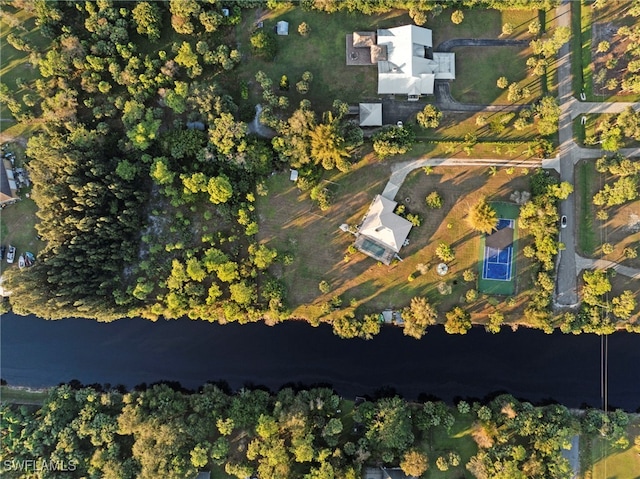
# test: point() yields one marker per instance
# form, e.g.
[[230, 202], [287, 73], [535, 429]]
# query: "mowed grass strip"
[[587, 237], [581, 49]]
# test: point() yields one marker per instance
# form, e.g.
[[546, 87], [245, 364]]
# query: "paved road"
[[573, 455], [583, 107], [566, 279]]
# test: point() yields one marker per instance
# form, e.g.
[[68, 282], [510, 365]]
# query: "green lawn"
[[323, 54], [22, 396], [478, 69], [585, 178], [458, 440], [609, 463], [455, 126], [17, 226]]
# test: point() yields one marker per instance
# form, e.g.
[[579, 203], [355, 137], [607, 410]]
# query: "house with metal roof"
[[8, 187], [385, 473], [410, 66], [382, 233]]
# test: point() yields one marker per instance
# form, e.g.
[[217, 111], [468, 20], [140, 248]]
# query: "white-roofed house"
[[411, 67], [382, 233]]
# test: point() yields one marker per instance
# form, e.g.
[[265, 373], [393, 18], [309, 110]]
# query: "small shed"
[[282, 28], [294, 175], [370, 114]]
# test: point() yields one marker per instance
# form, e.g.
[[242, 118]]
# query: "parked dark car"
[[3, 248]]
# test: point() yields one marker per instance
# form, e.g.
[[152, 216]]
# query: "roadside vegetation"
[[160, 431], [22, 396]]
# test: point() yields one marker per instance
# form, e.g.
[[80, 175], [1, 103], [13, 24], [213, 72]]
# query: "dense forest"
[[146, 173], [162, 432]]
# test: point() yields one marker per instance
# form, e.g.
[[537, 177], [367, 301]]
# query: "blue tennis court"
[[497, 262]]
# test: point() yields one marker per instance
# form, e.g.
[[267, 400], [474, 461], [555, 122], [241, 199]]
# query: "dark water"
[[527, 363]]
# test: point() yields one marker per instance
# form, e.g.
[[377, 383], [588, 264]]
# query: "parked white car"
[[11, 254]]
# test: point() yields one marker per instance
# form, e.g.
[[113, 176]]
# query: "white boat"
[[21, 262]]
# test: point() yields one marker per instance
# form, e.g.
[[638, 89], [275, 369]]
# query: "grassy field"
[[15, 64], [478, 69], [621, 229], [22, 396], [291, 223], [609, 463], [322, 53]]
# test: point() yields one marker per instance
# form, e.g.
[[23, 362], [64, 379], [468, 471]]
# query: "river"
[[527, 363]]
